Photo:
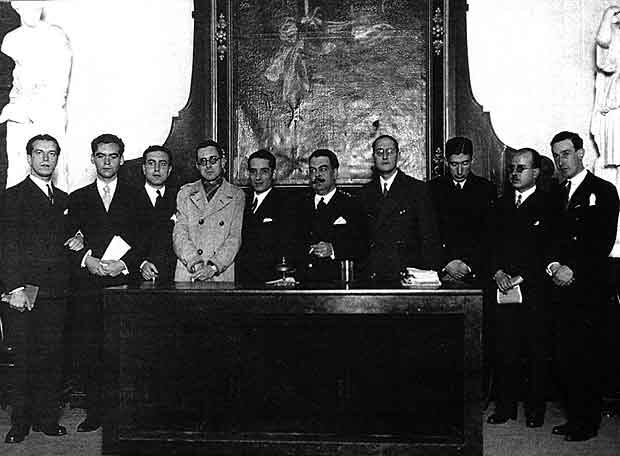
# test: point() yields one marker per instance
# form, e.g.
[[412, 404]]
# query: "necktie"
[[158, 199], [50, 194], [566, 193], [321, 205], [107, 197], [254, 204], [385, 189], [518, 202]]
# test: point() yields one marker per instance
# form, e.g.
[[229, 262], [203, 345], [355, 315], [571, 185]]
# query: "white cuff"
[[86, 255], [125, 271]]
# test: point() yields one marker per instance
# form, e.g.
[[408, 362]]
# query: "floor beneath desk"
[[509, 439]]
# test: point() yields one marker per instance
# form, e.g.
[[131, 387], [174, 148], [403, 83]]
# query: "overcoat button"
[[221, 222], [199, 251], [201, 221]]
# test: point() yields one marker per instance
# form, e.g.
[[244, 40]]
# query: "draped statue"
[[37, 101]]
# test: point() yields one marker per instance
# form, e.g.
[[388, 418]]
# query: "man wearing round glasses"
[[207, 233]]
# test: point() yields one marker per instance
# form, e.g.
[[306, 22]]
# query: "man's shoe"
[[89, 425], [534, 420], [501, 418], [580, 435], [561, 429], [16, 434], [53, 431]]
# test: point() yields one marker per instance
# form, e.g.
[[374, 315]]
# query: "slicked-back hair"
[[374, 143], [157, 149], [107, 138], [574, 138], [459, 145], [265, 155], [209, 143], [535, 156], [333, 160], [43, 137]]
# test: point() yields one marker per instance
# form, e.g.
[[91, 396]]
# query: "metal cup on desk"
[[346, 271]]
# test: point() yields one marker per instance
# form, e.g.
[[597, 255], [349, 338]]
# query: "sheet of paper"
[[116, 249], [512, 296]]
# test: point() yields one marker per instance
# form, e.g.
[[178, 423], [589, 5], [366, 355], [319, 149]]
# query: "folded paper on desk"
[[116, 249], [420, 278], [513, 295]]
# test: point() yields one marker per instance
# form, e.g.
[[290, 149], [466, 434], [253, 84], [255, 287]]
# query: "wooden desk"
[[346, 370]]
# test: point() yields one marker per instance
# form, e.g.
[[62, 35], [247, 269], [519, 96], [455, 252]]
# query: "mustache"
[[317, 180]]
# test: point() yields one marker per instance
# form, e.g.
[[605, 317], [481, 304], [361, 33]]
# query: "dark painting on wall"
[[331, 74]]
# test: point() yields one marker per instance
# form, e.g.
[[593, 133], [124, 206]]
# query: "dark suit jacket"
[[463, 217], [32, 234], [266, 237], [154, 234], [87, 214], [522, 237], [348, 239], [584, 237], [402, 228]]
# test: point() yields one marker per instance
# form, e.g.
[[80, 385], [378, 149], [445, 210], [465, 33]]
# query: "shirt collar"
[[260, 197], [326, 198], [152, 192], [459, 184], [525, 195], [112, 185], [389, 181], [576, 181], [40, 183]]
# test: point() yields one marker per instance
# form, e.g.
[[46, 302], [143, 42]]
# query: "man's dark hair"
[[536, 159], [459, 145], [574, 138], [107, 138], [157, 149], [374, 143], [44, 137], [333, 160], [265, 155], [209, 143]]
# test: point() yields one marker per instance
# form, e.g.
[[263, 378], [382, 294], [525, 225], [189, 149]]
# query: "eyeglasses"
[[518, 169], [211, 161], [385, 152]]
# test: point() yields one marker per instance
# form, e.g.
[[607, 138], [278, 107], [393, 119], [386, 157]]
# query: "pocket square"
[[267, 220], [340, 221], [402, 212], [174, 218], [66, 212], [592, 199], [537, 222]]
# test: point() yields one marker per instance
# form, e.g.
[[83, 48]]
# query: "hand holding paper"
[[22, 298], [116, 249]]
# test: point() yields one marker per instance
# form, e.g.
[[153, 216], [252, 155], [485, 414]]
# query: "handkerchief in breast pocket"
[[267, 220], [340, 221], [592, 199], [66, 212]]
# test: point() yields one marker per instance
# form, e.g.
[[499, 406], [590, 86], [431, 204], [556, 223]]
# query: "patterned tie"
[[254, 204], [107, 197], [566, 193], [50, 194], [158, 199], [321, 205], [518, 202], [385, 189]]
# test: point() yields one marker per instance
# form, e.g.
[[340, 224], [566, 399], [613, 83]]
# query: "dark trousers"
[[36, 379], [87, 340], [522, 333], [579, 343]]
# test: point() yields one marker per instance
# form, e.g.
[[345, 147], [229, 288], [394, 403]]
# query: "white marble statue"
[[37, 101], [605, 126]]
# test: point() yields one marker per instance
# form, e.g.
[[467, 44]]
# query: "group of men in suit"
[[209, 230]]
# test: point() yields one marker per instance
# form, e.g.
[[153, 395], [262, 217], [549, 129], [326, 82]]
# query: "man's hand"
[[149, 271], [503, 281], [195, 265], [112, 268], [94, 266], [75, 243], [322, 249], [204, 272], [457, 269], [563, 276], [19, 301]]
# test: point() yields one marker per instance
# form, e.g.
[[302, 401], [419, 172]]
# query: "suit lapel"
[[580, 197]]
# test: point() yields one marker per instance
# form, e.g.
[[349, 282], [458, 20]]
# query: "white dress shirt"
[[260, 197], [326, 198], [152, 192], [389, 181]]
